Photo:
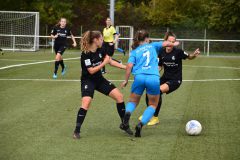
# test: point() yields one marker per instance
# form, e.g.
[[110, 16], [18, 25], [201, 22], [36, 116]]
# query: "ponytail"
[[87, 39], [140, 36]]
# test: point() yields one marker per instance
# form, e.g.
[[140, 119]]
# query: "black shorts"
[[59, 49], [108, 48], [172, 84], [101, 85]]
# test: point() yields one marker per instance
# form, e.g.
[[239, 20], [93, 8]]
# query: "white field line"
[[114, 80], [218, 67], [26, 64]]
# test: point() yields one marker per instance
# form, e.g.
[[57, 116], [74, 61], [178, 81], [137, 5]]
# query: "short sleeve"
[[183, 54], [103, 51], [69, 32], [132, 58], [86, 60], [54, 31], [157, 45], [113, 30]]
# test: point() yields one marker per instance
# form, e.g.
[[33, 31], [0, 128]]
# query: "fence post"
[[52, 44], [182, 45], [205, 37], [14, 40], [208, 48]]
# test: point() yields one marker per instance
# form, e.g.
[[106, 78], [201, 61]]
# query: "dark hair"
[[140, 36], [168, 34], [58, 24], [87, 39]]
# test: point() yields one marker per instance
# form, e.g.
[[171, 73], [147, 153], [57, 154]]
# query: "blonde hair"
[[58, 24], [87, 39]]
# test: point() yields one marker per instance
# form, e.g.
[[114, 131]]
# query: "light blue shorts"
[[149, 82]]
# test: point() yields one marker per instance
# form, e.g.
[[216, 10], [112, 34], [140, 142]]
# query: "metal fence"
[[207, 46]]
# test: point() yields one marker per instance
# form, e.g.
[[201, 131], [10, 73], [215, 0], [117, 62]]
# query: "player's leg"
[[87, 89], [153, 92], [167, 87], [137, 89], [61, 51], [155, 120], [86, 101], [57, 62]]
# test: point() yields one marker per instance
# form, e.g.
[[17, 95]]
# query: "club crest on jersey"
[[86, 86], [65, 31], [173, 58], [100, 55]]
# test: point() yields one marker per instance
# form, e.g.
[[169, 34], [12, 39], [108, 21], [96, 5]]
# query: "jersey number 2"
[[147, 54]]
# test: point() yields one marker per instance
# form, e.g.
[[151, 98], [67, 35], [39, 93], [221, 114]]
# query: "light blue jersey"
[[145, 59]]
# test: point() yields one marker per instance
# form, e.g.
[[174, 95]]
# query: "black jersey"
[[62, 35], [172, 63], [92, 59]]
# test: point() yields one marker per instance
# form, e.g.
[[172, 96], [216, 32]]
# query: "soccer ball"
[[193, 128]]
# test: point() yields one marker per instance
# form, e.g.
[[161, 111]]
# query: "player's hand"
[[196, 52], [176, 43], [124, 84], [56, 36], [74, 44]]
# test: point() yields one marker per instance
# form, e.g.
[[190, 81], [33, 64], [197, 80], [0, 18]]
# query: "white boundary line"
[[26, 64], [78, 80], [218, 67]]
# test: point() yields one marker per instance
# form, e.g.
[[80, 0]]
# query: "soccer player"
[[59, 33], [170, 59], [93, 59], [110, 37], [143, 63]]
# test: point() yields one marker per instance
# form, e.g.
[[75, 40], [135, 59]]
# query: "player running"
[[110, 37], [93, 59], [170, 58], [59, 33], [143, 63]]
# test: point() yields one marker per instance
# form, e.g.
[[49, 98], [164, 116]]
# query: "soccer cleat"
[[138, 130], [104, 72], [140, 118], [54, 76], [126, 128], [76, 135], [154, 120], [64, 70]]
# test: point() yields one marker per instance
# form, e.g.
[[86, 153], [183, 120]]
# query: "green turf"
[[38, 117]]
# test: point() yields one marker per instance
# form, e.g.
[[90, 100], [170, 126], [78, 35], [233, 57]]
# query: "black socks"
[[62, 64], [56, 66], [121, 110], [80, 118]]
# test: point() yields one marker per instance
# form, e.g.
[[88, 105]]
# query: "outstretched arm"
[[170, 44], [93, 70], [127, 75], [194, 54], [74, 41], [116, 64]]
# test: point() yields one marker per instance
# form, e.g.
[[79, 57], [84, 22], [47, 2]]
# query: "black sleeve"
[[86, 60], [54, 31], [104, 51], [160, 57], [69, 32], [183, 54]]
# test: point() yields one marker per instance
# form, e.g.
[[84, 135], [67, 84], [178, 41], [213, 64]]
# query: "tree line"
[[219, 15]]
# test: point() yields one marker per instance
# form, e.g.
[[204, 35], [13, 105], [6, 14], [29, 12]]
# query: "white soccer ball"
[[193, 128]]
